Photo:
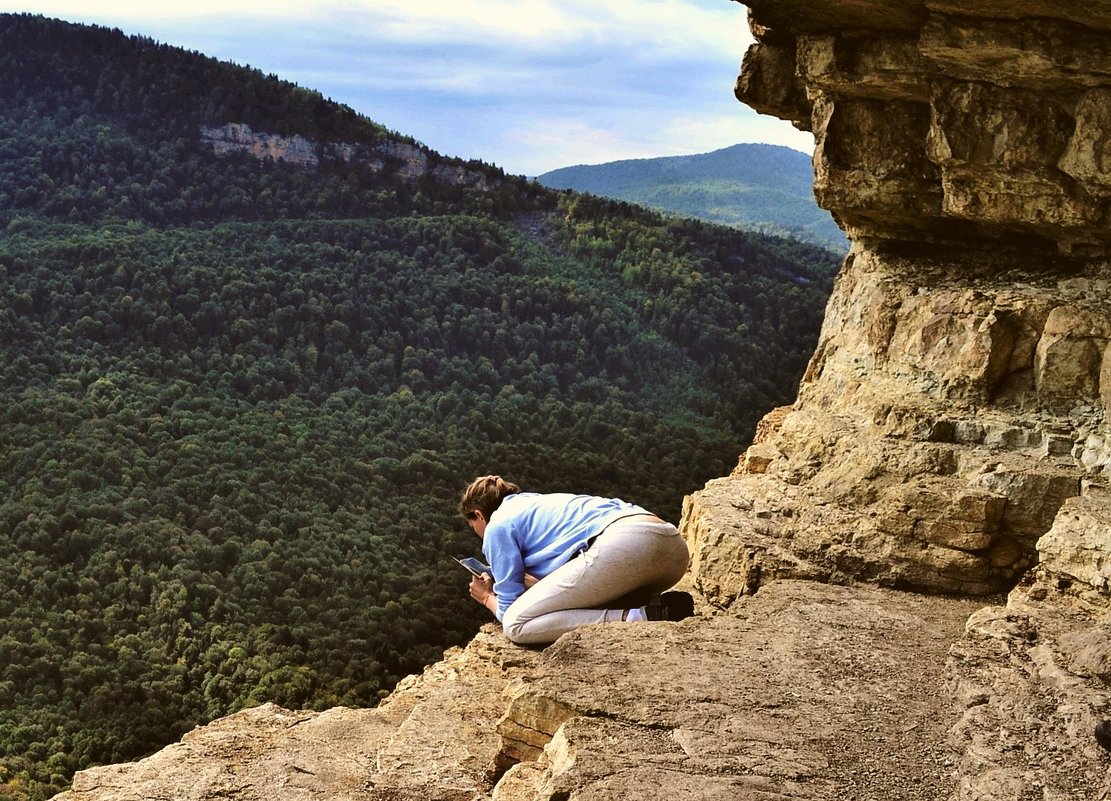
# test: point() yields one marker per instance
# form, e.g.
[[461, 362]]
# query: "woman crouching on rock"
[[561, 561]]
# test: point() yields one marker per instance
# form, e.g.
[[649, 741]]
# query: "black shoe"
[[1103, 734], [670, 606]]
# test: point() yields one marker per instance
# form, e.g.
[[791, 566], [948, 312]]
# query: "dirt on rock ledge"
[[810, 691]]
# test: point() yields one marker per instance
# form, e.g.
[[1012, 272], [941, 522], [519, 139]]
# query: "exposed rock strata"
[[959, 393], [947, 414], [946, 122], [1032, 676], [409, 162]]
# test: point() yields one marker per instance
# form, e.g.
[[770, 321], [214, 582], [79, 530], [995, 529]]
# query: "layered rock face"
[[958, 396], [409, 162]]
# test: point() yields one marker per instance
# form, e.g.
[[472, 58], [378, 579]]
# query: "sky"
[[528, 85]]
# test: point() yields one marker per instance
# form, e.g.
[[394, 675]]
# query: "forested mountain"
[[240, 395], [764, 188]]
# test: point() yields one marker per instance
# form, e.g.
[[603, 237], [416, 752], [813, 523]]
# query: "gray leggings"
[[625, 566]]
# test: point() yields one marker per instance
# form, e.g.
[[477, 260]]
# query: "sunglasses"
[[471, 515]]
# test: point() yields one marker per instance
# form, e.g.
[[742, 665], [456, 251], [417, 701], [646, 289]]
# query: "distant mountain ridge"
[[765, 188]]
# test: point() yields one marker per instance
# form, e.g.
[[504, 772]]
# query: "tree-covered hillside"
[[239, 398], [763, 188]]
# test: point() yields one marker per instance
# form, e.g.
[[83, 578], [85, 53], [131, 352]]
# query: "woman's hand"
[[482, 589]]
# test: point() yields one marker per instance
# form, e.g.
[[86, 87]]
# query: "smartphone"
[[476, 567]]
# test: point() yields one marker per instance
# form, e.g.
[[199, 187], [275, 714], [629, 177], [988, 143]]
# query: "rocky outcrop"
[[959, 393], [236, 137], [962, 122], [806, 691], [1031, 676], [947, 414], [435, 738], [409, 162], [951, 432]]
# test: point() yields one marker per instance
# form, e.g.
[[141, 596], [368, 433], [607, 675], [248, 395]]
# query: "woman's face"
[[477, 521]]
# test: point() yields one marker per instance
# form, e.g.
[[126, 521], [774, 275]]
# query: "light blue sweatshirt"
[[534, 533]]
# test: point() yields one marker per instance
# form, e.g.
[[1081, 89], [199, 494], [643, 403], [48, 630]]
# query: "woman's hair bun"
[[485, 494]]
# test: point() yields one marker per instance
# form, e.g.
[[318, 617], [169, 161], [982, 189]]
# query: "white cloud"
[[674, 24], [142, 12], [553, 143], [458, 20], [688, 134]]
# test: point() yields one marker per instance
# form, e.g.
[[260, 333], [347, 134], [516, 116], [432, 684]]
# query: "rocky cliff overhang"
[[977, 124]]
